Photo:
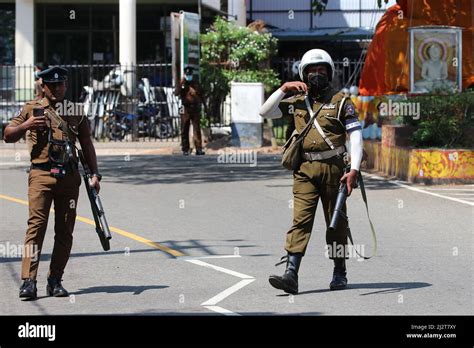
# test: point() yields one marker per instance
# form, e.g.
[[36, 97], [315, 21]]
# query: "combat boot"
[[28, 289], [55, 288], [288, 282], [339, 280]]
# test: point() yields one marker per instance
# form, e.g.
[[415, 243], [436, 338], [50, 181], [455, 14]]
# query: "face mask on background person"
[[319, 81], [188, 78]]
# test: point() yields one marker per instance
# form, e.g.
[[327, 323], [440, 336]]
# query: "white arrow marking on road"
[[221, 310], [220, 269], [227, 292], [212, 302]]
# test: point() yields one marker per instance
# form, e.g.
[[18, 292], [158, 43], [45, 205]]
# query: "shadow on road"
[[47, 256], [386, 288], [116, 289], [145, 170]]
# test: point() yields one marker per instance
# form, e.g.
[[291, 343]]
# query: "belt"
[[322, 155], [47, 166]]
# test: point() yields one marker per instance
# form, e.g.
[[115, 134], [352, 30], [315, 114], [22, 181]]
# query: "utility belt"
[[322, 155], [56, 170]]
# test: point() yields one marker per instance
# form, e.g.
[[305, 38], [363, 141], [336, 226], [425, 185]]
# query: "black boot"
[[339, 280], [288, 282], [55, 288], [28, 289]]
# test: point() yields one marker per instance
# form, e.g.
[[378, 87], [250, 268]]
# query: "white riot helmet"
[[316, 56]]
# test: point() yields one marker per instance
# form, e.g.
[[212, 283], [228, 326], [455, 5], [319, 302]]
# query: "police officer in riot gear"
[[323, 167]]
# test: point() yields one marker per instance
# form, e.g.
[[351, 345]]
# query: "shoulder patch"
[[349, 109]]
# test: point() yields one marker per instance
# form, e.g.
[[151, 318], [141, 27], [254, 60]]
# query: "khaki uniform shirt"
[[334, 127], [37, 140]]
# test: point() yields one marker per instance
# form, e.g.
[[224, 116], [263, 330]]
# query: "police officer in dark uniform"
[[322, 170], [190, 92], [53, 177]]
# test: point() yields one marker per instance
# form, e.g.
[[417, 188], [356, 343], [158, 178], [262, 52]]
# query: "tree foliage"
[[446, 121], [232, 53]]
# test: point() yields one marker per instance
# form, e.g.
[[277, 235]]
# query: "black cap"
[[188, 70], [53, 74]]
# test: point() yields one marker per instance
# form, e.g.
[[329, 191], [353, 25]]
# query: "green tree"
[[232, 53], [446, 121]]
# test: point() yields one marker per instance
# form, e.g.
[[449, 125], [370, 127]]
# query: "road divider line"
[[124, 233], [209, 304], [450, 189], [400, 184]]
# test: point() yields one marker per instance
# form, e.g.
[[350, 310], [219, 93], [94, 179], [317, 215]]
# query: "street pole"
[[199, 12]]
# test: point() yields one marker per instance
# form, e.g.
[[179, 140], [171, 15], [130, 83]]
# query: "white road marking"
[[399, 183], [462, 194], [212, 302], [222, 310], [450, 189], [227, 292], [220, 269]]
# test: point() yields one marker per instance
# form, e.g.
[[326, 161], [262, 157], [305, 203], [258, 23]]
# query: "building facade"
[[299, 29], [88, 32]]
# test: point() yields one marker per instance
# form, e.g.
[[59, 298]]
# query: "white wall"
[[215, 4]]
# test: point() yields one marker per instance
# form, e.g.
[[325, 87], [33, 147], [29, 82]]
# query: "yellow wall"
[[418, 164]]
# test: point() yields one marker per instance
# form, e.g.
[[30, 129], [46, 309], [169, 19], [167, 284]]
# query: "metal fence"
[[122, 103], [136, 103]]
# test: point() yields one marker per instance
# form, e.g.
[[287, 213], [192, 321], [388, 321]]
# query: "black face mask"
[[318, 81]]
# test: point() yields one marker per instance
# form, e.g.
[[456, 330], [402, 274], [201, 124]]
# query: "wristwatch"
[[97, 175]]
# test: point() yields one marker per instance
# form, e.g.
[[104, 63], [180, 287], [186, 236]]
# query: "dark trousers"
[[187, 117]]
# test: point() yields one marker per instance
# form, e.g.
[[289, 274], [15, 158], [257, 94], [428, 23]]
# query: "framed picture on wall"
[[435, 59]]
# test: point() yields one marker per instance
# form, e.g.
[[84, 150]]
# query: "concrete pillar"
[[238, 8], [128, 43], [24, 49]]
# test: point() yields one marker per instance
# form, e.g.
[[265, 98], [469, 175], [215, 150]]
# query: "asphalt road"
[[195, 236]]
